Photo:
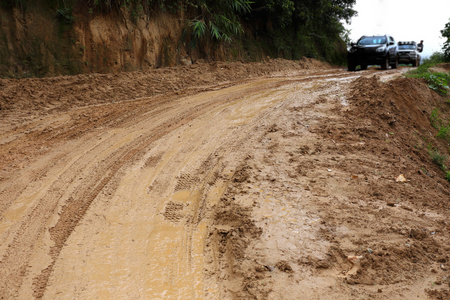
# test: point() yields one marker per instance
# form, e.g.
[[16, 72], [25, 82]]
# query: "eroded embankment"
[[62, 93]]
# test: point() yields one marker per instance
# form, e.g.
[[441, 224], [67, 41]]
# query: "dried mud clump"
[[232, 232], [241, 175], [396, 233], [439, 295], [391, 264], [234, 229], [284, 266], [405, 99]]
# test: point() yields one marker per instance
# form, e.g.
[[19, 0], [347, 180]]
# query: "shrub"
[[64, 14]]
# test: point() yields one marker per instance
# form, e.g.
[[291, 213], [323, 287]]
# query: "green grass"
[[437, 81], [435, 119], [444, 132], [443, 126]]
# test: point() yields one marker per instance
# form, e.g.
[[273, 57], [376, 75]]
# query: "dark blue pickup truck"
[[373, 50]]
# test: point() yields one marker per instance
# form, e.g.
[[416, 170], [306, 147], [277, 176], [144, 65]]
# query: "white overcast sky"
[[405, 20]]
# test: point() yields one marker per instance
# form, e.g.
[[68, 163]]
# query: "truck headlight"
[[381, 49]]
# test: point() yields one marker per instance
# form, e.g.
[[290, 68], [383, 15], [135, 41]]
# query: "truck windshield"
[[372, 40], [406, 47]]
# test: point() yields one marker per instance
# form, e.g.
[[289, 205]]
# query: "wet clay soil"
[[223, 181]]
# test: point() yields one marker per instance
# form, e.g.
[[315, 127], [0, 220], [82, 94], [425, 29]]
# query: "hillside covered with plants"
[[51, 37]]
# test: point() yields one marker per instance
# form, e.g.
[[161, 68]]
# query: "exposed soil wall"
[[46, 38], [35, 42]]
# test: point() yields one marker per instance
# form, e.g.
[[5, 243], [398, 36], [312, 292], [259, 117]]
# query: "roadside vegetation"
[[284, 28], [243, 30], [438, 81], [281, 28], [446, 35]]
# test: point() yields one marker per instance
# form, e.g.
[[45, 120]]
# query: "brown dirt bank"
[[64, 92], [327, 218]]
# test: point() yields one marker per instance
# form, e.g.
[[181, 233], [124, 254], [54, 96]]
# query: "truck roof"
[[407, 43]]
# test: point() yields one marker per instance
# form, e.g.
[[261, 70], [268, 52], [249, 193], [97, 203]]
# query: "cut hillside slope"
[[44, 38]]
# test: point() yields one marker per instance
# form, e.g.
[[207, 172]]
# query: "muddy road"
[[273, 186]]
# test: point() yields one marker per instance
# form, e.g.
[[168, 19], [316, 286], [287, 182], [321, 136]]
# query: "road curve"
[[114, 200]]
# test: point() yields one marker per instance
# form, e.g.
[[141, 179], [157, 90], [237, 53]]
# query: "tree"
[[446, 34], [309, 28]]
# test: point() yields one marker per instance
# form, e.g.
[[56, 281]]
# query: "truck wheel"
[[395, 64], [385, 63], [351, 66], [363, 67]]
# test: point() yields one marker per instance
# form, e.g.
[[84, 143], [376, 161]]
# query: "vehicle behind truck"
[[409, 53]]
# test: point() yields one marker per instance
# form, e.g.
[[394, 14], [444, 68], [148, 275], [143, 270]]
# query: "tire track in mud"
[[72, 213], [71, 130], [15, 261], [74, 210]]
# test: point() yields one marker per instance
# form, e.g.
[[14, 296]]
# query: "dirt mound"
[[322, 188], [393, 119], [402, 107], [62, 93]]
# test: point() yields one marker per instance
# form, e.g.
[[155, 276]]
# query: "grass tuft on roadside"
[[440, 83], [437, 81]]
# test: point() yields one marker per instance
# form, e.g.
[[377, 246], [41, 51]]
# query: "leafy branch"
[[217, 20]]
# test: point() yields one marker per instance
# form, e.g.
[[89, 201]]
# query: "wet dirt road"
[[117, 201]]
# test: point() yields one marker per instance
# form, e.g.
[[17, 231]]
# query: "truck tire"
[[395, 64], [363, 67], [385, 63], [351, 66]]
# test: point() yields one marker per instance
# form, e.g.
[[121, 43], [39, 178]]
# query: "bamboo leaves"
[[218, 20]]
